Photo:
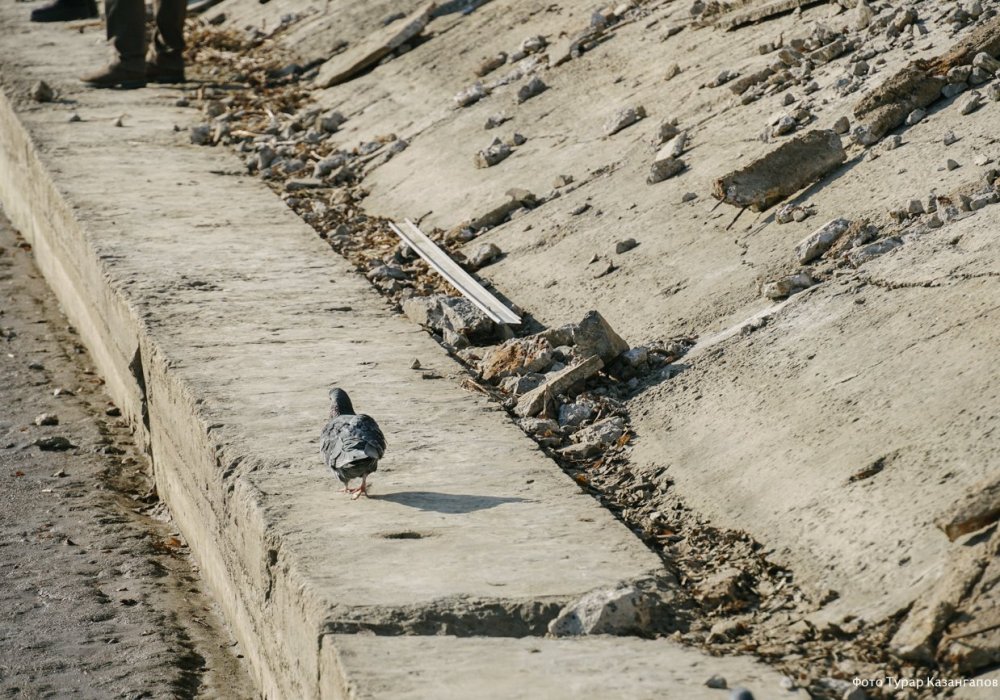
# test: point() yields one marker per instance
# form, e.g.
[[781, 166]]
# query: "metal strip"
[[459, 278]]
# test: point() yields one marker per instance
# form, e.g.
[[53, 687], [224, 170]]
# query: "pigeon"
[[351, 444]]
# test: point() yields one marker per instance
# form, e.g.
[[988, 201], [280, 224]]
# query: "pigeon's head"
[[340, 403]]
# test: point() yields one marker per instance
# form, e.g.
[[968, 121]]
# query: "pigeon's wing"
[[367, 430], [332, 441]]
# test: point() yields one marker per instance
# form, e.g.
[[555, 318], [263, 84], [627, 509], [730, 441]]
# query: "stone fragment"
[[673, 70], [668, 129], [491, 64], [625, 245], [532, 88], [821, 240], [517, 357], [201, 135], [664, 166], [915, 207], [716, 681], [952, 89], [785, 125], [440, 313], [798, 162], [886, 107], [842, 125], [331, 121], [604, 432], [916, 116], [470, 95], [635, 357], [979, 508], [723, 77], [573, 414], [915, 640], [54, 443], [971, 103], [594, 336], [533, 402], [623, 610], [579, 451], [518, 385], [482, 255], [47, 419], [951, 164], [492, 154], [42, 92], [860, 256], [303, 183], [949, 138], [787, 286], [623, 118], [986, 62]]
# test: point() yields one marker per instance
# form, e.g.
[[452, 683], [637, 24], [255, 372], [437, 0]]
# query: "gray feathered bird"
[[351, 444]]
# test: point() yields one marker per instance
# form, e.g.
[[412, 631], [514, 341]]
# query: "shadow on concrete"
[[445, 502]]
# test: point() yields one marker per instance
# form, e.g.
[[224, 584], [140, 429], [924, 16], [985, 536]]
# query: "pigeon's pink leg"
[[361, 490]]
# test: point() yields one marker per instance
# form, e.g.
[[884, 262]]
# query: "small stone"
[[979, 76], [532, 88], [891, 143], [517, 139], [820, 241], [331, 122], [46, 419], [74, 117], [491, 64], [617, 611], [54, 443], [119, 120], [740, 694], [201, 135], [42, 92], [636, 357], [573, 414], [842, 125], [953, 89], [673, 70], [916, 116], [623, 118], [689, 197], [415, 364], [533, 44], [971, 103], [723, 77], [717, 682], [861, 255], [993, 92], [663, 169], [934, 221], [958, 74], [787, 286], [986, 62], [594, 336], [860, 68], [625, 245], [788, 99], [982, 200], [668, 129], [951, 164], [61, 474], [491, 155], [471, 95], [915, 207], [785, 125], [482, 255], [605, 432], [949, 138], [495, 120]]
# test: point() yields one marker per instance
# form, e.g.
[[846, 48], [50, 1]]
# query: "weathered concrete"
[[216, 317]]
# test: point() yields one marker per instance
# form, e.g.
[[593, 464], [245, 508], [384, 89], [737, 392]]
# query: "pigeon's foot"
[[360, 490]]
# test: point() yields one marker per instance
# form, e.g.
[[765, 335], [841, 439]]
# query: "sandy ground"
[[99, 596]]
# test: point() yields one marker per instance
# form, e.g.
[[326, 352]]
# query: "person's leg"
[[165, 62], [126, 28]]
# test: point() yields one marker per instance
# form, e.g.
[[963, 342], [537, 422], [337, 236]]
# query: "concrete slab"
[[605, 668], [212, 311]]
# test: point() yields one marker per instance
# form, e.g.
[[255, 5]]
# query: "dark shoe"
[[65, 10], [116, 76], [157, 73]]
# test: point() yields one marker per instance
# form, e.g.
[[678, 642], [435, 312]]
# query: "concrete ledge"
[[212, 312]]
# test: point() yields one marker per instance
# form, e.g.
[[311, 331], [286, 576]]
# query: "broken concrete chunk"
[[623, 610], [915, 640], [573, 414], [625, 245], [345, 66], [604, 433], [787, 286], [820, 240], [594, 336], [532, 88], [979, 508], [471, 95], [986, 62], [42, 92], [579, 451], [664, 169], [623, 118], [971, 103], [492, 154], [482, 255], [491, 64], [859, 256], [793, 165], [516, 357], [442, 313], [533, 402], [886, 107]]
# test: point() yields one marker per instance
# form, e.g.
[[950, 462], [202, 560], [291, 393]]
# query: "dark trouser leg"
[[168, 41], [126, 22]]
